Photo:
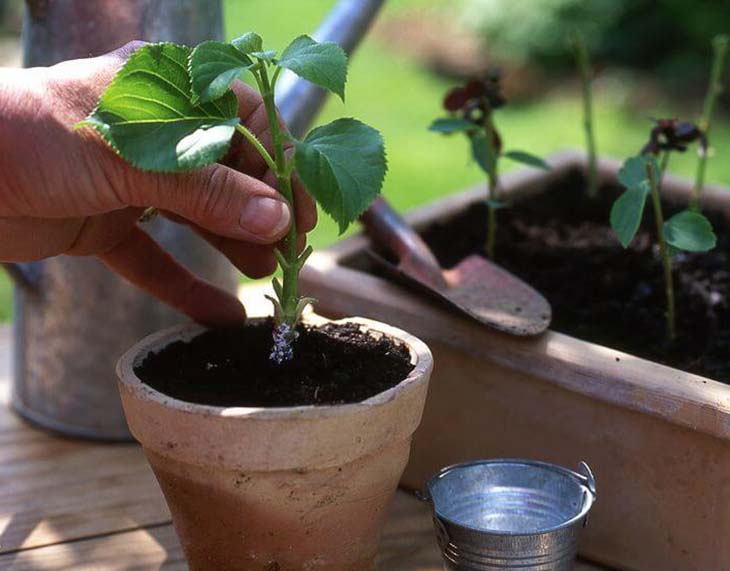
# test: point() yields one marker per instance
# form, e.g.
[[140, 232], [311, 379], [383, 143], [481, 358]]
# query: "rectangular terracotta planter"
[[657, 438]]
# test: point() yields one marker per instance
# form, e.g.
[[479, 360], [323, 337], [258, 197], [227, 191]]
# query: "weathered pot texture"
[[285, 489], [657, 438]]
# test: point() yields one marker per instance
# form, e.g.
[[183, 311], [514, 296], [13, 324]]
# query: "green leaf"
[[451, 125], [690, 231], [343, 165], [213, 67], [323, 64], [526, 159], [627, 212], [484, 153], [146, 114], [633, 171], [248, 43]]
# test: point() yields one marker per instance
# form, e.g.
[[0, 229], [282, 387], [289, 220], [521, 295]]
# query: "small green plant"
[[641, 176], [171, 108], [471, 111], [578, 45], [719, 48]]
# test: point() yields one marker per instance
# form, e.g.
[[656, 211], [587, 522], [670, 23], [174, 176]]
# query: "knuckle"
[[214, 204]]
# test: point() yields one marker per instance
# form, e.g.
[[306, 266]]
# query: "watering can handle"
[[299, 101], [20, 276], [389, 230], [346, 24]]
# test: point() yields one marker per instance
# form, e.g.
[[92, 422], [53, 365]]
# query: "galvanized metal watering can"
[[73, 318], [516, 515]]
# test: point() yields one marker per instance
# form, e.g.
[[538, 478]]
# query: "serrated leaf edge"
[[93, 123], [194, 97], [384, 157], [338, 46]]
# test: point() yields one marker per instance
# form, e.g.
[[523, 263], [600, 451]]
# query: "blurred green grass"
[[401, 98]]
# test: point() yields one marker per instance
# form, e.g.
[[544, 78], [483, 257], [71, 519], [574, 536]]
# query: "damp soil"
[[333, 364], [560, 242]]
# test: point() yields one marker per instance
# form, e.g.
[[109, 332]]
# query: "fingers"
[[82, 81], [245, 158], [254, 260], [306, 209], [220, 200], [140, 260], [25, 238]]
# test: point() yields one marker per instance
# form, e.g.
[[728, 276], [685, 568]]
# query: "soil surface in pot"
[[333, 364], [560, 242]]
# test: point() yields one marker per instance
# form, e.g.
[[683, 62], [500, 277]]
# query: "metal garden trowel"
[[475, 286]]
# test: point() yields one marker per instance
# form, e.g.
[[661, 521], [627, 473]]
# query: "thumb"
[[221, 200]]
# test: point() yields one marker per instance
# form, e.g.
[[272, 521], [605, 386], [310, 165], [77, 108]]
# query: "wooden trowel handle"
[[389, 230]]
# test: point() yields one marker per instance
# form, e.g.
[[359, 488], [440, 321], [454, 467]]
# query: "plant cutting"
[[471, 108], [171, 109], [641, 176], [582, 60], [277, 445], [714, 89]]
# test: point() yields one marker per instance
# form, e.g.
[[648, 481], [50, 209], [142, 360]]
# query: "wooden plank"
[[88, 507], [408, 545], [409, 542], [55, 490], [150, 549]]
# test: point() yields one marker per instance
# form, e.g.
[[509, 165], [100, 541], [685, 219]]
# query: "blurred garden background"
[[652, 59]]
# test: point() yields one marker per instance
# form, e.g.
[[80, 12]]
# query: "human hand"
[[65, 192]]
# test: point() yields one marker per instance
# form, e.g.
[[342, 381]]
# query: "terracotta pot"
[[657, 438], [276, 489]]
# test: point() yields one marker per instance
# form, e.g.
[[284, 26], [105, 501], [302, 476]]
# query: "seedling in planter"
[[719, 47], [641, 176], [471, 110], [171, 108], [578, 45]]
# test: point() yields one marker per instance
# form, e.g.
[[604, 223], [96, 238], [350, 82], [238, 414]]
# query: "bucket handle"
[[585, 475]]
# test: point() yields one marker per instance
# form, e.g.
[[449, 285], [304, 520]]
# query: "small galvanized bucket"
[[516, 515]]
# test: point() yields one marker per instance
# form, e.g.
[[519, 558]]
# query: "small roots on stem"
[[283, 348]]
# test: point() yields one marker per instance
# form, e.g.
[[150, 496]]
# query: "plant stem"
[[714, 89], [491, 230], [289, 260], [253, 139], [586, 76], [663, 168], [493, 188], [654, 181]]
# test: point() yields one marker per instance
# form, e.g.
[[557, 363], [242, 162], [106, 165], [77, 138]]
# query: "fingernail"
[[266, 217]]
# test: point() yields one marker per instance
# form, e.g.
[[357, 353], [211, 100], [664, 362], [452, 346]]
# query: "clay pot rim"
[[421, 358]]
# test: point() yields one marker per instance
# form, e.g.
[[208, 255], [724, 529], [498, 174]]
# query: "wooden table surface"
[[69, 505]]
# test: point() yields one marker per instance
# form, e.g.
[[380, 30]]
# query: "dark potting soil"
[[333, 364], [561, 243]]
